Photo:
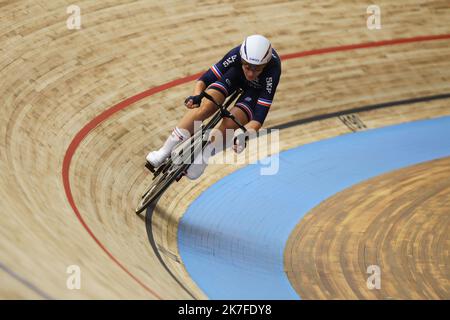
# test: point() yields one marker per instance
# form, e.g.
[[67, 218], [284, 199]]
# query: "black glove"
[[196, 100]]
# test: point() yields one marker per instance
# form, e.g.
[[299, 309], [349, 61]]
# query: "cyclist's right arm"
[[200, 86], [194, 100], [213, 74]]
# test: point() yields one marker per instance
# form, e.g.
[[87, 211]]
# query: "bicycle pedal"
[[150, 167]]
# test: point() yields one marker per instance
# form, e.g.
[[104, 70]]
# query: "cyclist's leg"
[[219, 90], [214, 146], [219, 140], [185, 128], [243, 111], [227, 123], [206, 110]]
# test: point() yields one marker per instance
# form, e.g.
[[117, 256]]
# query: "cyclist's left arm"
[[264, 100]]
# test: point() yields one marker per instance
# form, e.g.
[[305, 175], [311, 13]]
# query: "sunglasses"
[[253, 67]]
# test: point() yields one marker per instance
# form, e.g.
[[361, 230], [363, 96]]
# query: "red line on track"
[[364, 46], [127, 102]]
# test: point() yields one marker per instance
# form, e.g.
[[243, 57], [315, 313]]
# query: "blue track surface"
[[232, 237]]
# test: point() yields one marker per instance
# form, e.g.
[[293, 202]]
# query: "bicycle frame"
[[170, 171], [199, 135]]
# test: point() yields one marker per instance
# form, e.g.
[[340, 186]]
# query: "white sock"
[[177, 136]]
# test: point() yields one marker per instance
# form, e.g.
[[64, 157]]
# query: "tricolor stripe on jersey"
[[264, 102], [220, 87], [246, 109], [216, 71]]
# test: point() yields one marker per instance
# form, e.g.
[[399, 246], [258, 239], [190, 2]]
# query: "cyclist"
[[253, 66]]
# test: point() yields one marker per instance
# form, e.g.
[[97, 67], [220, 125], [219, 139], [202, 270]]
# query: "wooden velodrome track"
[[70, 201]]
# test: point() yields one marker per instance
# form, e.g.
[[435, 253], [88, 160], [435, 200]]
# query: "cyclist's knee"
[[217, 94], [200, 114]]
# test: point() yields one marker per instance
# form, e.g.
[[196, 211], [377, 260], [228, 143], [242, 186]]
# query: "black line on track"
[[149, 227], [361, 109]]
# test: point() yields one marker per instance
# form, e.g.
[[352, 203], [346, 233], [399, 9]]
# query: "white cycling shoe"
[[196, 169], [156, 158]]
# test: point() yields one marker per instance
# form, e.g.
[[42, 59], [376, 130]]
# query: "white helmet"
[[256, 50]]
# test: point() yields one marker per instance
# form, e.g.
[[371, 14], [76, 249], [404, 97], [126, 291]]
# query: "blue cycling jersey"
[[227, 75]]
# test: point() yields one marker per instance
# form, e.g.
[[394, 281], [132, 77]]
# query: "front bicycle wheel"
[[158, 186], [144, 202]]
